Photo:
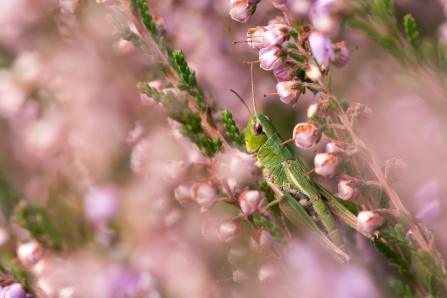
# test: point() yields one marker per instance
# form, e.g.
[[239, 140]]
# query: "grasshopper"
[[306, 204]]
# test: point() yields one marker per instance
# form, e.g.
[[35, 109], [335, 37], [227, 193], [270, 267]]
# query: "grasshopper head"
[[259, 129]]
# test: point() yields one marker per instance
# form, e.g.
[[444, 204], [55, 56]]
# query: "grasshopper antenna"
[[253, 88], [240, 98]]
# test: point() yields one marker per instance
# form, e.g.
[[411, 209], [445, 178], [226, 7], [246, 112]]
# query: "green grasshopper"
[[306, 204]]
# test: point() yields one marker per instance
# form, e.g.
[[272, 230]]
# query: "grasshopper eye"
[[257, 128]]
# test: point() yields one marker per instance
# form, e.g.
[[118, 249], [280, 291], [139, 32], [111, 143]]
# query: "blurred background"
[[82, 151]]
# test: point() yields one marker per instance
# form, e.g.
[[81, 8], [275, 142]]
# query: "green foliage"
[[123, 31], [231, 129], [393, 258], [411, 31], [150, 91], [188, 80], [8, 196], [402, 289], [146, 17], [442, 56]]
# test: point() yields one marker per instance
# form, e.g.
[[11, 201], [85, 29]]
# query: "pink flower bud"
[[300, 8], [261, 241], [394, 169], [230, 231], [4, 236], [283, 72], [306, 135], [241, 10], [358, 113], [326, 164], [254, 37], [241, 162], [268, 272], [271, 57], [321, 47], [30, 253], [174, 171], [237, 253], [106, 2], [205, 193], [13, 291], [184, 194], [345, 191], [341, 54], [275, 35], [241, 276], [251, 201], [289, 92], [369, 221], [280, 4]]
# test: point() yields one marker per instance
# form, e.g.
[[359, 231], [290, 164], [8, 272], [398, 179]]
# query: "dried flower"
[[271, 57], [13, 291], [369, 221], [289, 92], [30, 253], [230, 231], [241, 10], [394, 169], [184, 194], [345, 190], [205, 193], [358, 113], [251, 201], [275, 35], [261, 241], [326, 164], [267, 272], [283, 72], [306, 135], [321, 47], [341, 54]]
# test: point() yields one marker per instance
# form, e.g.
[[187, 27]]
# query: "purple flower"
[[275, 35], [341, 55], [289, 92], [101, 203], [321, 47], [271, 57], [13, 291], [322, 17], [283, 72], [280, 4]]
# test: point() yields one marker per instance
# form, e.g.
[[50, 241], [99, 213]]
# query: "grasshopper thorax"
[[259, 129]]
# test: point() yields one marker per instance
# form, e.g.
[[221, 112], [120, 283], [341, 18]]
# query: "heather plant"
[[139, 159]]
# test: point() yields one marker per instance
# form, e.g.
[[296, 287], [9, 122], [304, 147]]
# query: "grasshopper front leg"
[[343, 213]]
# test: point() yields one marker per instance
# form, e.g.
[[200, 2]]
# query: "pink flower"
[[205, 193], [254, 37], [241, 10], [283, 72], [358, 113], [106, 2], [369, 221], [271, 57], [394, 169], [268, 272], [321, 47], [322, 17], [341, 55], [275, 35], [326, 164], [306, 135], [280, 4], [289, 92], [13, 291], [101, 203], [345, 190], [251, 201], [230, 231], [30, 253], [261, 241], [300, 8]]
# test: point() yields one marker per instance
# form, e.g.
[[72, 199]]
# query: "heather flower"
[[313, 73], [13, 291], [241, 163], [369, 221], [289, 92], [106, 2], [250, 201], [254, 37], [184, 194], [271, 57], [280, 4], [241, 10], [4, 236], [241, 276], [394, 169], [322, 18], [321, 47], [300, 8], [345, 190], [275, 35], [341, 54], [230, 231], [237, 253], [174, 171], [337, 147], [205, 193], [358, 113], [30, 253], [326, 164], [306, 135], [283, 72], [268, 272], [312, 110], [430, 213], [211, 230], [261, 241], [70, 7], [276, 20]]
